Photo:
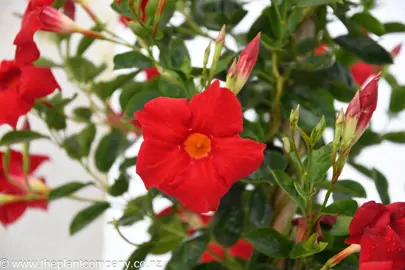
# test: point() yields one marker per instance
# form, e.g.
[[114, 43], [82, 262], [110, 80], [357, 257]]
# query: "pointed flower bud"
[[396, 51], [286, 144], [221, 36], [54, 21], [230, 77], [338, 127], [294, 116], [246, 62]]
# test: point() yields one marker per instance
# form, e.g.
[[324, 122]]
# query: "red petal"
[[151, 73], [16, 162], [12, 107], [370, 214], [143, 9], [321, 49], [383, 265], [397, 211], [242, 249], [216, 111], [70, 9], [165, 120], [361, 72], [40, 204], [39, 3], [236, 158], [396, 51], [368, 102], [215, 248], [11, 212], [157, 165], [199, 187], [37, 82]]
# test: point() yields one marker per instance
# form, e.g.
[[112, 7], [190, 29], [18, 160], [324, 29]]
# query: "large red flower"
[[380, 231], [192, 150], [20, 87], [10, 212]]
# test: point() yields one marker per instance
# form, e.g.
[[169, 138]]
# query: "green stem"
[[81, 199], [116, 226]]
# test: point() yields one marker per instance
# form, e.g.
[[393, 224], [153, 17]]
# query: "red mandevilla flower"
[[380, 231], [39, 16], [151, 73], [11, 211], [20, 87], [192, 150]]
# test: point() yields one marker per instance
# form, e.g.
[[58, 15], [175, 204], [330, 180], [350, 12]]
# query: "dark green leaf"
[[20, 136], [78, 145], [365, 48], [312, 3], [82, 114], [132, 59], [396, 137], [394, 27], [168, 237], [316, 62], [86, 216], [66, 190], [270, 242], [138, 101], [135, 210], [317, 132], [307, 247], [348, 187], [343, 207], [287, 184], [138, 255], [106, 89], [120, 185], [260, 209], [123, 9], [86, 41], [381, 184], [369, 22], [188, 254], [107, 150], [229, 221], [320, 163], [82, 70], [341, 226], [180, 58], [273, 160], [44, 62], [210, 266], [397, 102]]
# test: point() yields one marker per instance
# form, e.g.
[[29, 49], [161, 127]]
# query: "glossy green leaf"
[[138, 100], [168, 237], [123, 8], [397, 101], [315, 62], [317, 132], [287, 184], [20, 136], [66, 190], [82, 114], [86, 216], [45, 62], [106, 89], [395, 137], [82, 70], [320, 163], [394, 27], [107, 150], [312, 3], [132, 59], [259, 208], [273, 160], [86, 41], [307, 247], [365, 48], [381, 184], [120, 185], [343, 207], [341, 226], [138, 256], [348, 187], [269, 242], [135, 210], [229, 220], [369, 22], [79, 145]]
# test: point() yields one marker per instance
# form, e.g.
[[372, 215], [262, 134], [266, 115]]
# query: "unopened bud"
[[230, 77], [294, 116], [54, 21], [286, 144], [396, 51], [338, 128], [221, 36]]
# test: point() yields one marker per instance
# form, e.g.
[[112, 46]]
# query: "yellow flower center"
[[197, 145]]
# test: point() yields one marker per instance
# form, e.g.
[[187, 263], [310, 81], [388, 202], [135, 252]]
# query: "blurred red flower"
[[192, 150]]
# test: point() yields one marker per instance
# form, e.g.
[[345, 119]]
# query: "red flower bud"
[[70, 9], [54, 21], [248, 59]]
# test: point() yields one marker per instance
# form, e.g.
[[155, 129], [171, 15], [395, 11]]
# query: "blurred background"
[[38, 235]]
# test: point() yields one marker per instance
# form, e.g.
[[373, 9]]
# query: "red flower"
[[11, 211], [69, 9], [19, 87], [380, 231], [39, 16], [151, 73], [192, 150], [242, 249]]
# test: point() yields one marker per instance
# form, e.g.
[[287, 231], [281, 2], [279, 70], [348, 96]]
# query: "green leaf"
[[343, 207], [82, 114], [381, 184], [397, 101], [79, 145], [341, 226], [123, 9], [168, 236], [347, 187], [138, 255], [259, 208], [107, 150], [136, 210], [320, 163], [269, 242], [287, 184], [312, 3], [86, 216], [86, 41], [395, 137], [139, 100], [20, 136], [44, 62], [317, 132], [315, 62], [132, 59], [180, 58], [229, 220], [120, 185], [105, 89], [188, 254], [394, 27], [273, 160], [82, 70], [210, 266], [66, 190], [369, 22], [307, 247], [365, 48]]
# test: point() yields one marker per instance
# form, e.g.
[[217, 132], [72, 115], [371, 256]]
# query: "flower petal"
[[236, 158], [16, 162], [11, 212], [199, 187], [216, 111], [397, 211], [383, 265], [37, 83], [158, 165], [361, 72], [12, 107], [165, 120]]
